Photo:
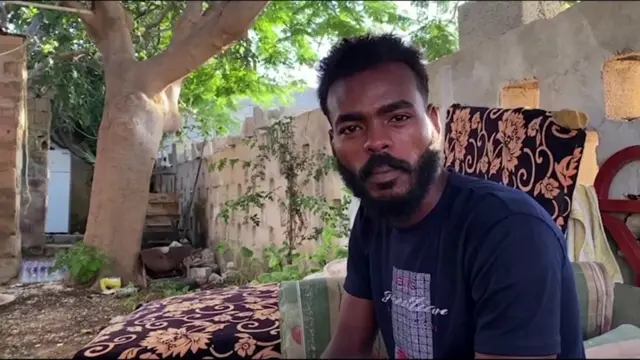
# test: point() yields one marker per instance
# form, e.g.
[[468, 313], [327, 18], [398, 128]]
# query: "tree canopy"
[[286, 36]]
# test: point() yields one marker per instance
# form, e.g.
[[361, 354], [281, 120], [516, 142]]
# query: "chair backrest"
[[521, 148]]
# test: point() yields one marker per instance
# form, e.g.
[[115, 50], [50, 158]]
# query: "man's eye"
[[399, 118], [348, 129]]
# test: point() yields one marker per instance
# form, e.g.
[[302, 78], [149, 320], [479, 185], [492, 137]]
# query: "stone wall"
[[35, 174], [565, 56], [219, 186], [13, 93]]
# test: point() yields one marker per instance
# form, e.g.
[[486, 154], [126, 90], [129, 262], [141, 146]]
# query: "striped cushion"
[[309, 311], [595, 292]]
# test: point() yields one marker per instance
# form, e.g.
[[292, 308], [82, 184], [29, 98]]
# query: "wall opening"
[[621, 77], [525, 93]]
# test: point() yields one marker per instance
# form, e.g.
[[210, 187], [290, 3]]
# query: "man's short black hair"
[[355, 55]]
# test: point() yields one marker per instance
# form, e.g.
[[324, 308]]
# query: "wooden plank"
[[163, 210], [157, 198], [161, 220]]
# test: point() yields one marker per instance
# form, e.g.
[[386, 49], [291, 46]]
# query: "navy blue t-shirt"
[[486, 271]]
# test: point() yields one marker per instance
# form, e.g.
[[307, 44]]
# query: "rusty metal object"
[[165, 258]]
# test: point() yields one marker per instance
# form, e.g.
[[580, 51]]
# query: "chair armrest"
[[626, 305], [595, 295], [309, 311]]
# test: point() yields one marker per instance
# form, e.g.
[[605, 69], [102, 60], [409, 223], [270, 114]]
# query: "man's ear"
[[433, 112]]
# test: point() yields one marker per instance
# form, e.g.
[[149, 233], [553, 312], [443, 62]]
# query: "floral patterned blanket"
[[230, 323], [522, 148]]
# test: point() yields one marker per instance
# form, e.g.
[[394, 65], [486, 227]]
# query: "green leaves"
[[83, 262], [286, 36], [246, 252], [436, 34], [298, 166]]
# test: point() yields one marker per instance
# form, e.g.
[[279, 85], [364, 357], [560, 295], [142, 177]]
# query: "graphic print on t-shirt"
[[411, 314]]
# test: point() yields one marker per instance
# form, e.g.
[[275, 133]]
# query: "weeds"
[[83, 262], [163, 290]]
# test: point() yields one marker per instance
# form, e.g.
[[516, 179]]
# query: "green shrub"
[[280, 263], [83, 262]]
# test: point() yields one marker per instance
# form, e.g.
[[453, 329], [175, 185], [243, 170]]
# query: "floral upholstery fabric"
[[231, 323], [521, 148]]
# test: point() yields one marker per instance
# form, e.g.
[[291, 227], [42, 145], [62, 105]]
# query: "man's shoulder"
[[483, 203], [507, 221], [486, 196]]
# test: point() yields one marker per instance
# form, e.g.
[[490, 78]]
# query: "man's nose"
[[378, 140]]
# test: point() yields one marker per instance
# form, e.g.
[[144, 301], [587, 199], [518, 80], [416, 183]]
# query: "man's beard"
[[422, 176]]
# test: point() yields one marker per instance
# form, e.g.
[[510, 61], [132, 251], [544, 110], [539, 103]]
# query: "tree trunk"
[[130, 136]]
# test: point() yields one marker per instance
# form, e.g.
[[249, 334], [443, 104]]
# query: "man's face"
[[381, 137]]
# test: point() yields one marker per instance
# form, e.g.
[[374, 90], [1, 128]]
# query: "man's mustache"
[[383, 159]]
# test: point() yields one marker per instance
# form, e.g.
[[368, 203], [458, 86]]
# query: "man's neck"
[[430, 201]]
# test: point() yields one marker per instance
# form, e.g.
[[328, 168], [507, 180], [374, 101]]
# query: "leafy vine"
[[298, 166]]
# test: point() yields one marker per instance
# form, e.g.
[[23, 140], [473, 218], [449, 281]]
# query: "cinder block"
[[13, 69]]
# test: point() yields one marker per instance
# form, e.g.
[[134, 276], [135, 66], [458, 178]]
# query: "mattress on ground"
[[230, 323]]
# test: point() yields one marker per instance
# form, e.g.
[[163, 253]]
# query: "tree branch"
[[197, 38], [87, 19], [189, 19], [40, 68], [109, 26], [165, 12]]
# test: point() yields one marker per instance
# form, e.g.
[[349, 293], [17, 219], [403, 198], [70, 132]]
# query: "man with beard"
[[442, 264]]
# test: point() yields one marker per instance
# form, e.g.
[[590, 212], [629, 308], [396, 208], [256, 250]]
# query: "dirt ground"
[[52, 321]]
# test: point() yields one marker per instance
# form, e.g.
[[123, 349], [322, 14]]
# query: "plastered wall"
[[566, 55]]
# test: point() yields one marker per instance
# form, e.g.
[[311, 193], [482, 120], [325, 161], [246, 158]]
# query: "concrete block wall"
[[566, 54], [216, 187], [13, 94], [35, 173]]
